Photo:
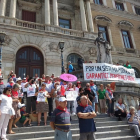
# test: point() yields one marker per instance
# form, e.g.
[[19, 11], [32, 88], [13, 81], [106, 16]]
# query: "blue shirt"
[[109, 94], [86, 125], [70, 68], [61, 119], [94, 89]]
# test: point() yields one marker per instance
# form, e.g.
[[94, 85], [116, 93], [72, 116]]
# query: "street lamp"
[[2, 40], [61, 47]]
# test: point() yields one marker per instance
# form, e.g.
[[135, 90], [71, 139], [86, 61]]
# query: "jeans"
[[110, 106], [50, 102], [60, 135], [70, 106], [136, 129]]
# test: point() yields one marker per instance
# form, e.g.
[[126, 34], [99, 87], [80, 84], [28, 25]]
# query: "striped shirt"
[[135, 119]]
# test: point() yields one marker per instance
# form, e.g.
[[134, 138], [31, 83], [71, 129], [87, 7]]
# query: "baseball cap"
[[24, 78], [62, 99]]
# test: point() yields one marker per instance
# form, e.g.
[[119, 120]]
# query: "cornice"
[[114, 12]]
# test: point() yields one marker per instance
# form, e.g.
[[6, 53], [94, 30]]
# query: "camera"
[[33, 80]]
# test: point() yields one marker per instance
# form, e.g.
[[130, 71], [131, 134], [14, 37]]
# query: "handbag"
[[11, 112]]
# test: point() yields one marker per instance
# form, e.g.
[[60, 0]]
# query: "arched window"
[[74, 59], [137, 72]]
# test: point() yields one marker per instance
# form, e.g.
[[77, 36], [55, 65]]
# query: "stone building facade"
[[34, 29]]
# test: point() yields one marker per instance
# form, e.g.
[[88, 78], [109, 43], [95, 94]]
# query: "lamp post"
[[2, 40], [61, 46]]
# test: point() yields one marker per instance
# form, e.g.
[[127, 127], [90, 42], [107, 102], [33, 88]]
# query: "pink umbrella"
[[68, 77]]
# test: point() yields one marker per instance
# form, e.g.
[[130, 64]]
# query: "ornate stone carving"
[[103, 20], [125, 24], [92, 51], [7, 40], [53, 47], [34, 4]]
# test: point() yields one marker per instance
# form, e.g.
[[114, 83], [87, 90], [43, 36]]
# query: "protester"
[[60, 121], [49, 87], [24, 116], [110, 100], [2, 86], [30, 101], [78, 85], [95, 100], [86, 114], [52, 75], [120, 110], [133, 121], [90, 93], [14, 78], [10, 75], [17, 116], [43, 78], [56, 92], [70, 104], [102, 98], [10, 83], [70, 67], [81, 93], [27, 77], [127, 65], [42, 107], [5, 106], [65, 84], [20, 92]]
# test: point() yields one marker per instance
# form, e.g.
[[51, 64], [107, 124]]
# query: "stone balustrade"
[[46, 28]]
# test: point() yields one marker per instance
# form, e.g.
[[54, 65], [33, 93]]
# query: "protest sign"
[[30, 91], [71, 95], [41, 97], [104, 71]]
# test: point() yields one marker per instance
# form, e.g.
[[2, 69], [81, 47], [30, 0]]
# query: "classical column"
[[91, 28], [110, 36], [47, 11], [13, 8], [83, 16], [55, 12], [2, 7]]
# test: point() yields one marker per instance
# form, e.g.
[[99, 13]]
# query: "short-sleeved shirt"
[[101, 93], [122, 106], [61, 119], [70, 68], [135, 119], [129, 66], [6, 104], [94, 89], [109, 94], [49, 86], [86, 125]]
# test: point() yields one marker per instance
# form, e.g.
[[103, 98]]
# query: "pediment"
[[103, 20], [125, 24]]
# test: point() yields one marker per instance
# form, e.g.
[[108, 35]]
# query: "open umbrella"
[[68, 77]]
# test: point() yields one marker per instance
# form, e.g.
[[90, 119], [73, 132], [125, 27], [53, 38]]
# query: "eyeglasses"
[[9, 89], [87, 86]]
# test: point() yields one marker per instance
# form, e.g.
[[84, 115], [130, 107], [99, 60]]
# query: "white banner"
[[104, 71], [30, 91], [71, 95], [41, 97]]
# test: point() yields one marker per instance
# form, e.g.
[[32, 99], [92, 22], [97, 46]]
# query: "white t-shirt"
[[122, 106], [23, 87], [6, 104]]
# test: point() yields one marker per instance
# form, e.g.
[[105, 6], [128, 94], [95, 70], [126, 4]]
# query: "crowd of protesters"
[[16, 105]]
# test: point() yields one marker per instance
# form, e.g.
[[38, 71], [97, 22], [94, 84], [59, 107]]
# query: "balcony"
[[45, 28]]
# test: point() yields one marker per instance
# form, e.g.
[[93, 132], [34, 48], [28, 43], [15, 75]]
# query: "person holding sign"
[[31, 99], [42, 103]]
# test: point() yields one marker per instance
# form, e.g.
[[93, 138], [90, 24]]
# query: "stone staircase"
[[107, 129]]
